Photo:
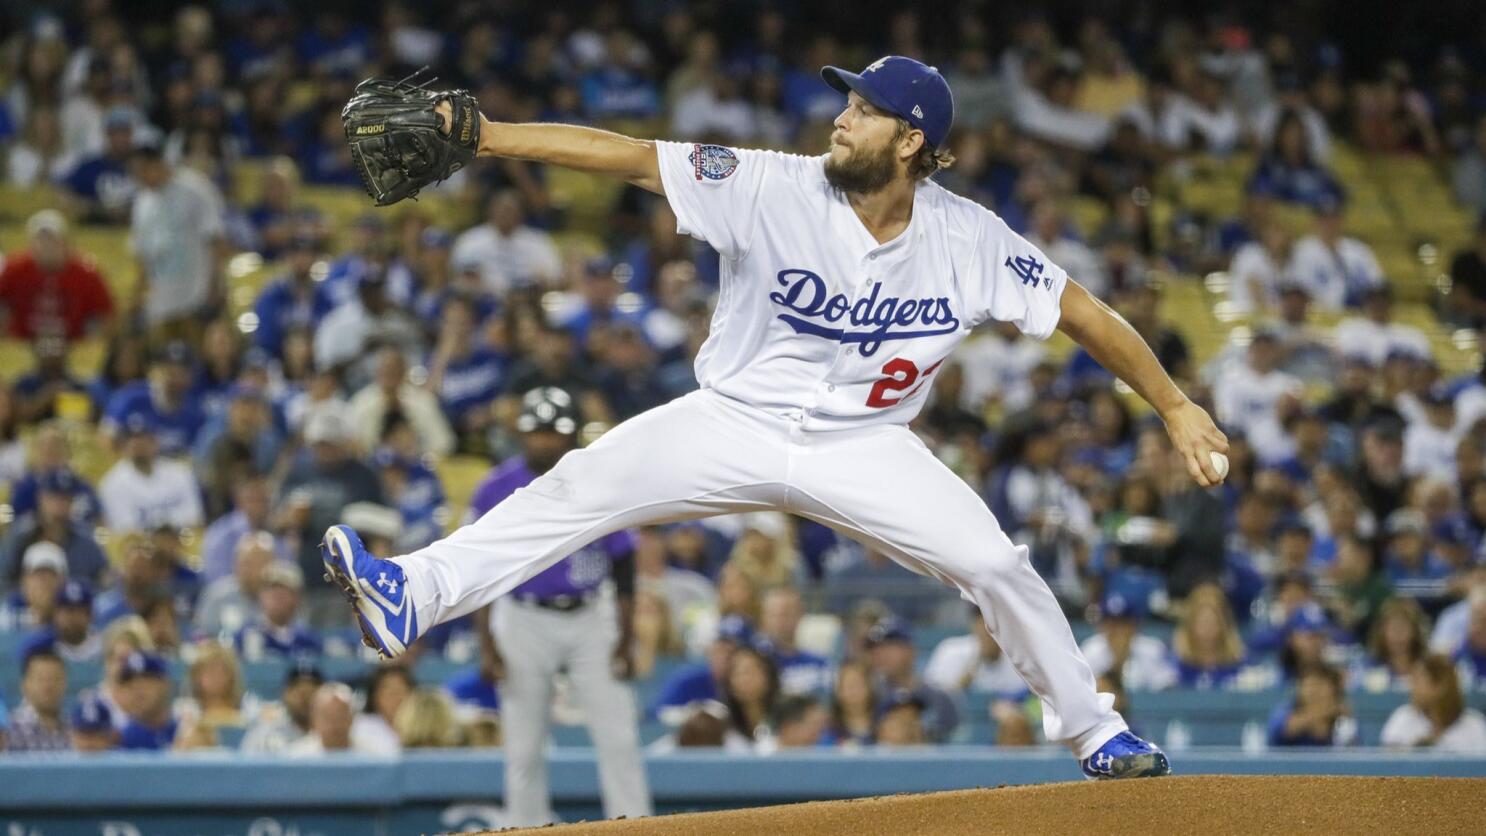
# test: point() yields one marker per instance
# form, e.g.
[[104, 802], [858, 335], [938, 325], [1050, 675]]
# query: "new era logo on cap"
[[918, 111]]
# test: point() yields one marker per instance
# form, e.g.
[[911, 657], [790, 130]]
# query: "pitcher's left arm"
[[1120, 349]]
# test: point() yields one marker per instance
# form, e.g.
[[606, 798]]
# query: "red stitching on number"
[[923, 378]]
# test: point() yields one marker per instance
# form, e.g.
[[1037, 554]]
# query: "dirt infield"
[[1207, 805]]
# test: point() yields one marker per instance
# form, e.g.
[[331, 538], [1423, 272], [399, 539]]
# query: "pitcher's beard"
[[862, 172]]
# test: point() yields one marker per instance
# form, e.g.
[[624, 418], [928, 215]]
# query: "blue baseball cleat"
[[1126, 756], [376, 588]]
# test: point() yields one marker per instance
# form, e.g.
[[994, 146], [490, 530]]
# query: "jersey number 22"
[[901, 374]]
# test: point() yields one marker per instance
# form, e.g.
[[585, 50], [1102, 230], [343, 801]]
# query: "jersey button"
[[830, 387]]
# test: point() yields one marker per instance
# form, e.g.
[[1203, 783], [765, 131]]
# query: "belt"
[[559, 603]]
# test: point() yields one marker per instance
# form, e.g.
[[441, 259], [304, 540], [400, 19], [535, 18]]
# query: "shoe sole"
[[1153, 765], [337, 560]]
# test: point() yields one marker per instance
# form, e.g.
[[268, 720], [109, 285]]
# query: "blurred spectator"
[[998, 366], [764, 552], [1471, 653], [800, 671], [100, 183], [1375, 335], [48, 391], [92, 725], [900, 720], [417, 494], [251, 507], [37, 724], [43, 568], [1430, 440], [1467, 300], [49, 289], [1255, 394], [1470, 173], [1209, 651], [214, 683], [1038, 506], [1318, 715], [350, 336], [278, 630], [508, 252], [853, 705], [685, 591], [1408, 556], [626, 372], [751, 689], [1395, 645], [52, 523], [425, 720], [1290, 101], [1336, 268], [696, 684], [38, 157], [388, 689], [800, 722], [891, 655], [145, 690], [1289, 171], [1436, 716], [163, 400], [465, 373], [143, 490], [280, 724], [236, 447], [176, 230], [1392, 115], [1049, 233], [1307, 641], [293, 299], [70, 632], [230, 602], [277, 217], [1142, 662], [321, 484], [973, 663], [1259, 269], [120, 639], [656, 636], [330, 730], [1360, 591], [390, 393]]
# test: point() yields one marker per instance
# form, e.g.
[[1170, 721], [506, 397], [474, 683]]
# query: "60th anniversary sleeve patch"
[[712, 162]]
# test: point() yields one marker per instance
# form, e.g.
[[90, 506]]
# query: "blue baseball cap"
[[906, 88], [1309, 618], [735, 629], [140, 422], [60, 480], [141, 663], [75, 593], [92, 714], [889, 629], [1121, 605]]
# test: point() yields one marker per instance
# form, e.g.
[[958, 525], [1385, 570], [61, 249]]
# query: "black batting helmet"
[[548, 408]]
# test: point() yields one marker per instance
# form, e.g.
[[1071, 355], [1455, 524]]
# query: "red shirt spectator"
[[48, 290]]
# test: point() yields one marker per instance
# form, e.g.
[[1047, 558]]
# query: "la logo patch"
[[875, 65], [712, 162]]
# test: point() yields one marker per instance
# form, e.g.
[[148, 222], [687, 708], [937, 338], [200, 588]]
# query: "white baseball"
[[1220, 464]]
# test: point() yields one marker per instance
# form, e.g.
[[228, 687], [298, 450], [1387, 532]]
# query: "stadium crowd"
[[1345, 553]]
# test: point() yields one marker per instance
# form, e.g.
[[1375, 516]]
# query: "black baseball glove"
[[398, 144]]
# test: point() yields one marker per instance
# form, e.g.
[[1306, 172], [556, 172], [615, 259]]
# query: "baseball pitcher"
[[847, 279]]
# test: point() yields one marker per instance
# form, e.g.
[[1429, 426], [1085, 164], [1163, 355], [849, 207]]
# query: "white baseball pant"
[[706, 454], [536, 643]]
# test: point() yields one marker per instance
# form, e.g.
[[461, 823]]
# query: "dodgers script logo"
[[805, 294]]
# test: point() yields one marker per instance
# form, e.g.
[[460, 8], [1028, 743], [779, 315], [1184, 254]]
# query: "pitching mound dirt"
[[1206, 804]]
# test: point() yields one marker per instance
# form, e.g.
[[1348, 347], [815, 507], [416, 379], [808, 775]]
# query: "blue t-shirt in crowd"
[[175, 430], [693, 683], [140, 737], [280, 309], [471, 381]]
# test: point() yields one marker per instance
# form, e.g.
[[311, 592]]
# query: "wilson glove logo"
[[812, 311]]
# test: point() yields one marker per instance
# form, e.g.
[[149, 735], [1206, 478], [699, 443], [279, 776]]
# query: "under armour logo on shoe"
[[1103, 761], [387, 583]]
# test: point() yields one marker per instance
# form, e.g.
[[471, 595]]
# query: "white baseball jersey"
[[814, 314], [823, 346]]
